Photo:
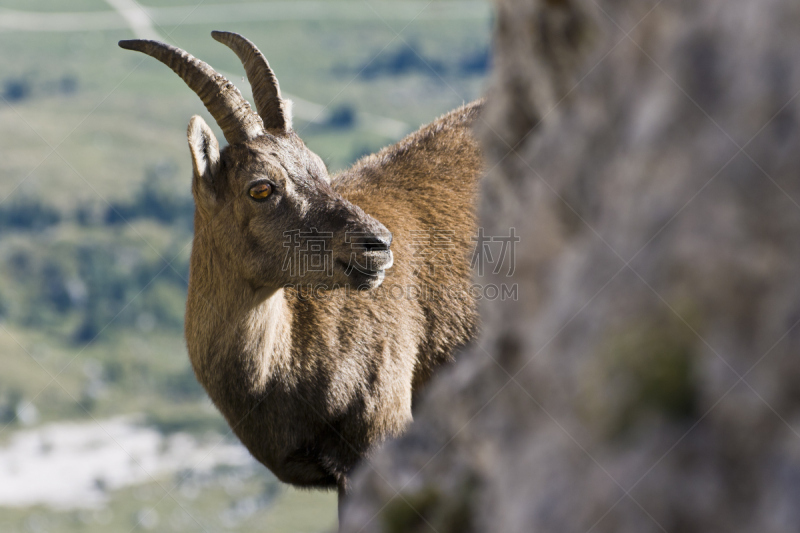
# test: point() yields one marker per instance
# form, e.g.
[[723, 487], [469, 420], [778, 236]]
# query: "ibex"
[[311, 382]]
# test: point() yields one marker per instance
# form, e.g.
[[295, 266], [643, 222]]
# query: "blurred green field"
[[222, 503], [95, 212], [112, 112]]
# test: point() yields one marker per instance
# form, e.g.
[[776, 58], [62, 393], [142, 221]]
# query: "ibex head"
[[266, 201]]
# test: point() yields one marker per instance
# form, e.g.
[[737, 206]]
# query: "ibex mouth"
[[370, 256], [378, 260], [368, 269]]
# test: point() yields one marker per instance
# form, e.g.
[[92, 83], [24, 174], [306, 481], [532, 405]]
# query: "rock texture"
[[648, 377]]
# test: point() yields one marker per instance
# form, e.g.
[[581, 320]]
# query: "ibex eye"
[[260, 191]]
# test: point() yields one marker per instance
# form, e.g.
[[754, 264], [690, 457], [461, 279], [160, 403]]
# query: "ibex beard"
[[312, 385]]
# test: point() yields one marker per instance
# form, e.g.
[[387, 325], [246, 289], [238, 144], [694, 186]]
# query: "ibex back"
[[311, 380]]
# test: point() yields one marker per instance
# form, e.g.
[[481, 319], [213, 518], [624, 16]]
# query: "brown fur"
[[311, 384], [312, 369]]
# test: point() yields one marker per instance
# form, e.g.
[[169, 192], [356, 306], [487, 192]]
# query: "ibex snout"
[[369, 254]]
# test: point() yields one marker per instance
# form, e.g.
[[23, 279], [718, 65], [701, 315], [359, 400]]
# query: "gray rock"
[[648, 377]]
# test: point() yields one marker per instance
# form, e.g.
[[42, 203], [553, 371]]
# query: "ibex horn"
[[222, 99], [266, 91]]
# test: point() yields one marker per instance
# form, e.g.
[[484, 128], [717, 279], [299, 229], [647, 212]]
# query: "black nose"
[[373, 243]]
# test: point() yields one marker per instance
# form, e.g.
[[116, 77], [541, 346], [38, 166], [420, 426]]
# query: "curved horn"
[[222, 99], [266, 91]]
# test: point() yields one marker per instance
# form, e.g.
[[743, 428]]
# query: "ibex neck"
[[235, 335]]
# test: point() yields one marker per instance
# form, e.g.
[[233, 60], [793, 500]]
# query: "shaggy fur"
[[310, 381], [312, 369]]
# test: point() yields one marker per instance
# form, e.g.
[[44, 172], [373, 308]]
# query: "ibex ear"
[[205, 152]]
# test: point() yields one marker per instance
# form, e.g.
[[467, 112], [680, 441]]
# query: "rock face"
[[648, 377]]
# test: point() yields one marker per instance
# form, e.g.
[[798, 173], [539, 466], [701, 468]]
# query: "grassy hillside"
[[95, 211]]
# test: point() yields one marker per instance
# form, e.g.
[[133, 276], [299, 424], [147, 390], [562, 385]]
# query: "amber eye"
[[260, 191]]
